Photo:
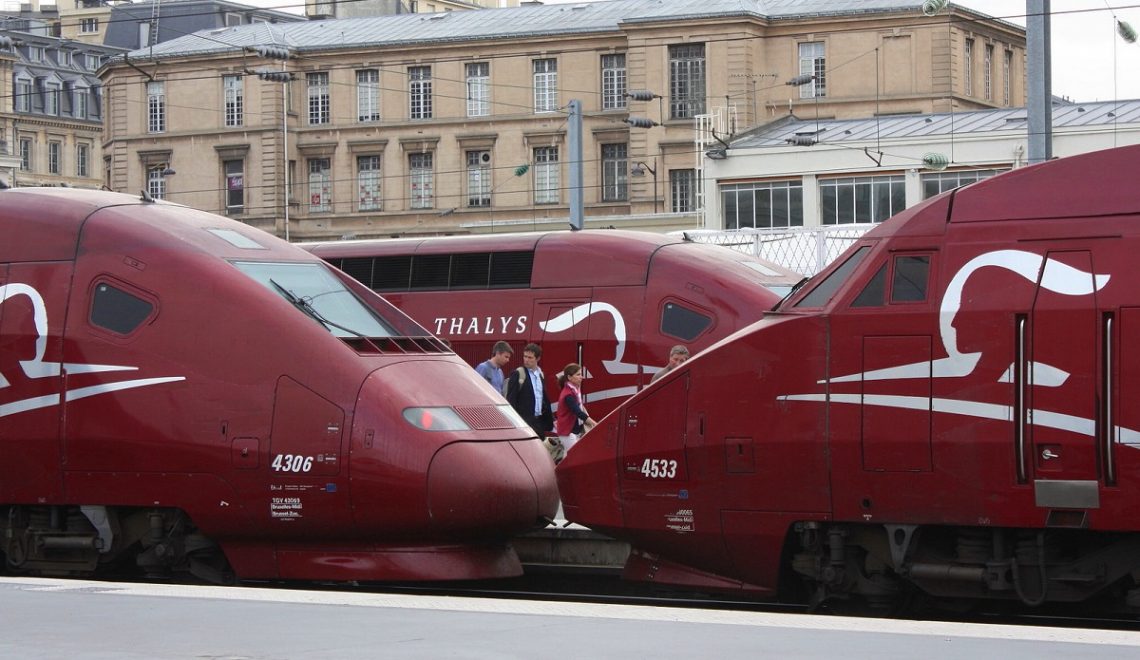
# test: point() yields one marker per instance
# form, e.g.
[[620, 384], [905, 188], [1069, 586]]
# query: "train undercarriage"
[[102, 541], [885, 568]]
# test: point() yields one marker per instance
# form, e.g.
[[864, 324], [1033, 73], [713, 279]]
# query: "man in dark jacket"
[[528, 397]]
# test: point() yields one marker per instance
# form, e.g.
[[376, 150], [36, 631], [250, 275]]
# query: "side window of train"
[[908, 283], [117, 310], [683, 323], [823, 291], [875, 293]]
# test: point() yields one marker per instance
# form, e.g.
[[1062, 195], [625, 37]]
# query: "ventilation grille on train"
[[387, 345], [484, 418]]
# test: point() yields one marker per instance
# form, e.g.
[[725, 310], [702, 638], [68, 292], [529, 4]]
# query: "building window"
[[478, 179], [92, 62], [25, 155], [35, 54], [233, 19], [156, 107], [763, 204], [861, 199], [546, 186], [234, 99], [419, 92], [968, 67], [545, 85], [23, 95], [1007, 66], [95, 110], [320, 185], [686, 81], [64, 57], [420, 175], [235, 186], [369, 193], [813, 63], [987, 72], [156, 182], [88, 25], [613, 82], [368, 95], [478, 89], [939, 182], [79, 105], [54, 149], [82, 159], [683, 190], [318, 86], [615, 173], [51, 98]]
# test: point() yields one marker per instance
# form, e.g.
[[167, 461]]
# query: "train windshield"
[[317, 293]]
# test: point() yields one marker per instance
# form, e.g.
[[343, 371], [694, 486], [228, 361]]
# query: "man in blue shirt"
[[529, 397], [492, 369]]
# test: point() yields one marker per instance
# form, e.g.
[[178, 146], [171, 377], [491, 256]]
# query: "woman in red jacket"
[[571, 420]]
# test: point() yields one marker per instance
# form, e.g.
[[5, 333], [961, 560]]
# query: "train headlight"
[[435, 419], [516, 419]]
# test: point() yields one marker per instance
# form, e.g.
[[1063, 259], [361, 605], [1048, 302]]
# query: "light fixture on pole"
[[932, 7], [639, 169]]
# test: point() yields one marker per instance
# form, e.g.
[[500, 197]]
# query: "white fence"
[[805, 250]]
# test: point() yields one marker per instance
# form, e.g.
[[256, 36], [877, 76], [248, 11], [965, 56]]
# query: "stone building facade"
[[457, 122]]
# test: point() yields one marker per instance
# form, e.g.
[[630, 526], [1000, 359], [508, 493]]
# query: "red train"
[[614, 301], [179, 391], [947, 412]]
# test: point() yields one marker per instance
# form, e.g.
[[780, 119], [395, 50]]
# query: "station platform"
[[82, 620]]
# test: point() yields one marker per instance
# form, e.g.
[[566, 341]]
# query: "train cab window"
[[117, 310], [823, 291], [875, 293], [317, 293], [683, 323], [908, 284]]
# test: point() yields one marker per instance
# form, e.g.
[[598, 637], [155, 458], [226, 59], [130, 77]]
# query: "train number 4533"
[[659, 468]]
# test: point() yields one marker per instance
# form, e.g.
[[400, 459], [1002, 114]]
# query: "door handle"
[[1048, 455]]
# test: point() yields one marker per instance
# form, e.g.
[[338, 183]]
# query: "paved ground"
[[42, 618]]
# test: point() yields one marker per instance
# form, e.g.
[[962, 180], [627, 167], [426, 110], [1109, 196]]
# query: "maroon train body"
[[949, 410], [614, 301], [181, 391]]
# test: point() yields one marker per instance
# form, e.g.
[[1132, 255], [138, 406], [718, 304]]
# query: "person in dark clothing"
[[528, 397]]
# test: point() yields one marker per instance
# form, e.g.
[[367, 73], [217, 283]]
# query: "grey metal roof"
[[514, 22], [777, 133]]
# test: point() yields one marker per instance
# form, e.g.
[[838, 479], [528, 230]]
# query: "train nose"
[[588, 478], [442, 456], [492, 488]]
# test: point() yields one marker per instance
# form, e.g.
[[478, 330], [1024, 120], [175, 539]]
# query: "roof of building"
[[1070, 115], [514, 22]]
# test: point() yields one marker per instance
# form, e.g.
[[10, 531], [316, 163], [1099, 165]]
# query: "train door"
[[33, 298], [564, 326], [1122, 418], [1060, 368], [653, 473]]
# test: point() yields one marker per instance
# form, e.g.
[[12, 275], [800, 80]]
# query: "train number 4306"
[[292, 463], [659, 468]]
